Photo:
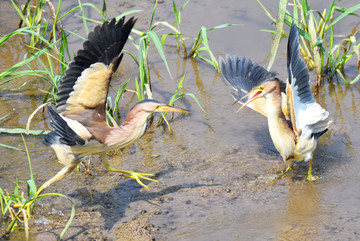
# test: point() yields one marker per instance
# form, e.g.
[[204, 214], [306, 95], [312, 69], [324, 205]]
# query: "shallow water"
[[213, 166]]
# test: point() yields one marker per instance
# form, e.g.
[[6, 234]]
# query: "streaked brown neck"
[[132, 129]]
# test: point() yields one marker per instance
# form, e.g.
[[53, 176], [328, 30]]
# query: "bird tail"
[[51, 138], [104, 45]]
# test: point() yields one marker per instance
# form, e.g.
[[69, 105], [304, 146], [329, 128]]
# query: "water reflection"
[[302, 213]]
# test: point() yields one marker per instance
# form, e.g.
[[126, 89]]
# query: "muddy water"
[[212, 167]]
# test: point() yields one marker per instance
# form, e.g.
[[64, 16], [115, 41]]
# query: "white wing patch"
[[78, 128], [310, 114]]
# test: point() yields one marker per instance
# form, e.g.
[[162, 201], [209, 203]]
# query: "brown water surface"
[[212, 168]]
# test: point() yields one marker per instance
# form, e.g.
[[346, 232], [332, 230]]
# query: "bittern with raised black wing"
[[79, 118], [262, 91]]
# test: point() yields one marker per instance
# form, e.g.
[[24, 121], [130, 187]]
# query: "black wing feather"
[[298, 73], [62, 131], [104, 45], [243, 74]]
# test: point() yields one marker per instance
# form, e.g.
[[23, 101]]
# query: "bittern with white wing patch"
[[260, 90], [79, 118]]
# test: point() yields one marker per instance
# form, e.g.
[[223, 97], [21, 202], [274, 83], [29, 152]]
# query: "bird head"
[[142, 110], [263, 90], [151, 106]]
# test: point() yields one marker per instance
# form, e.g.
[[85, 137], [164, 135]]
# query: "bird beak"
[[165, 108], [257, 94]]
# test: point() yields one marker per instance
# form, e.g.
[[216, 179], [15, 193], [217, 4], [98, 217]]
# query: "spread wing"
[[243, 75], [66, 131], [86, 81], [306, 115]]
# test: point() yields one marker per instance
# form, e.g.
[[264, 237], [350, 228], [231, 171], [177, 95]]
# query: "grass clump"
[[17, 205], [316, 28]]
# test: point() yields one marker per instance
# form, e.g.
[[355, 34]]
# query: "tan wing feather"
[[91, 88], [284, 106], [290, 109]]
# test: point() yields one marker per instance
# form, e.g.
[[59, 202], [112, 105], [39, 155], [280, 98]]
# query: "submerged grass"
[[16, 205], [316, 29]]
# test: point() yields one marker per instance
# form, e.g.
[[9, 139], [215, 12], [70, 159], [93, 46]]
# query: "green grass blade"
[[23, 131], [152, 15], [207, 47], [8, 72], [177, 16], [184, 5], [159, 48], [118, 96], [31, 182], [10, 147], [267, 12], [138, 90], [18, 10], [344, 14], [4, 117], [173, 98], [223, 26], [278, 32], [103, 10], [83, 17], [330, 11], [72, 215], [196, 100], [166, 24], [128, 13]]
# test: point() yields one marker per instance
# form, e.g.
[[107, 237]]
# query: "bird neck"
[[129, 131], [282, 135], [273, 100]]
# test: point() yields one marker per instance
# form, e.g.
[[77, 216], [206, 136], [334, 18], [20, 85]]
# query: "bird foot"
[[312, 178], [137, 176]]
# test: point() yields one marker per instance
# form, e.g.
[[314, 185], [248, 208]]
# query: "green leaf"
[[278, 32], [11, 147], [197, 101], [22, 131], [31, 188], [347, 12], [213, 61], [159, 48], [128, 13], [267, 12]]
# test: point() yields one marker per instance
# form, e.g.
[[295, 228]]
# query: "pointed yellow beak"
[[165, 108], [256, 94]]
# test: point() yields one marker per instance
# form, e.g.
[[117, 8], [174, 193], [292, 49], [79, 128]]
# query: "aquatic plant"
[[16, 205], [316, 29]]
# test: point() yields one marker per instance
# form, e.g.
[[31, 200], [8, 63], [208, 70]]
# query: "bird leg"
[[128, 174], [60, 175], [310, 177], [282, 173]]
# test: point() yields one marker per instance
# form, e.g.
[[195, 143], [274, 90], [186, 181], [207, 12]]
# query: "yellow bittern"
[[295, 120], [79, 118]]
